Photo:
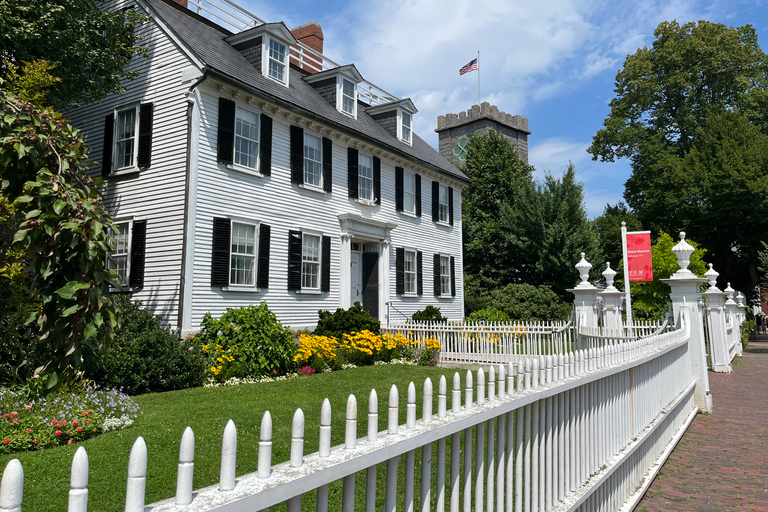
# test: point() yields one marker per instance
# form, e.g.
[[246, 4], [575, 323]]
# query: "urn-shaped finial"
[[711, 276], [583, 267], [609, 274], [683, 251], [729, 292], [740, 298]]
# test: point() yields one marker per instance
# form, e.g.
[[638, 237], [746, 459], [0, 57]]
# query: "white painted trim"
[[187, 51], [193, 157]]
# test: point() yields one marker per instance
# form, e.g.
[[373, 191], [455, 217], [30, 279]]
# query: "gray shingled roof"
[[206, 40]]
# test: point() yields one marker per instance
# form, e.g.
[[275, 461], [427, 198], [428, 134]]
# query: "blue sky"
[[553, 62]]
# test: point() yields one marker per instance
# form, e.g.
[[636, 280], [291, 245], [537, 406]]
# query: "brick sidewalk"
[[721, 464]]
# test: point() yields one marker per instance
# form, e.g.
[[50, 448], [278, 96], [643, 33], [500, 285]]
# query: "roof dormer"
[[396, 117], [338, 86], [267, 48]]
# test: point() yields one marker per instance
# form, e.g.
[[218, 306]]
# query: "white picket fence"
[[585, 430]]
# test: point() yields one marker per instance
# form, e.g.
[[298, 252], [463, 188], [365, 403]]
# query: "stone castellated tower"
[[454, 130]]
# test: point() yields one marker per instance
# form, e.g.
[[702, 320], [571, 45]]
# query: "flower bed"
[[34, 423]]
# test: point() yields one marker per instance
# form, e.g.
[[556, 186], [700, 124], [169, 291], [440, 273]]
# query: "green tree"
[[649, 299], [608, 227], [63, 237], [693, 78], [90, 47]]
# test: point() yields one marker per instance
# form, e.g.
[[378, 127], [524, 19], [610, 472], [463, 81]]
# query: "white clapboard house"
[[243, 165]]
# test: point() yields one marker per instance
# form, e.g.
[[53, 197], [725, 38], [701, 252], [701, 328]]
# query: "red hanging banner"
[[639, 260]]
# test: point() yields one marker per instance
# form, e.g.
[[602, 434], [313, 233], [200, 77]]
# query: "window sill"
[[312, 188], [443, 224], [126, 171], [245, 289], [406, 142], [410, 295], [309, 292], [245, 170], [449, 296], [281, 82], [365, 202], [408, 214]]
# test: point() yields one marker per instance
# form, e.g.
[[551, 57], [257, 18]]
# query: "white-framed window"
[[313, 160], [242, 265], [406, 119], [365, 177], [246, 138], [310, 261], [126, 132], [348, 95], [277, 60], [409, 192], [445, 275], [410, 272], [444, 204], [121, 251]]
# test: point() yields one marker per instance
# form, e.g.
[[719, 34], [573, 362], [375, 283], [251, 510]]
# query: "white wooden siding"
[[273, 200], [157, 193]]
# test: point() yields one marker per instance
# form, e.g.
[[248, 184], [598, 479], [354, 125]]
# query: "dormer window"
[[278, 60], [405, 126], [348, 97]]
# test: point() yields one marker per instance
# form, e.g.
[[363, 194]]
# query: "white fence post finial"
[[137, 477], [78, 482], [456, 394], [186, 468], [410, 407], [442, 397], [350, 430], [264, 467], [325, 429], [297, 439], [228, 457], [394, 410], [12, 487], [468, 391], [426, 407], [373, 416]]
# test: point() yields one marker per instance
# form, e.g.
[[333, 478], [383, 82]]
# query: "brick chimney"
[[311, 34]]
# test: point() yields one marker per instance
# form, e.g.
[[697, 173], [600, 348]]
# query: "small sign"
[[639, 260]]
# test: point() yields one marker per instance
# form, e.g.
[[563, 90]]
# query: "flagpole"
[[626, 276], [478, 77]]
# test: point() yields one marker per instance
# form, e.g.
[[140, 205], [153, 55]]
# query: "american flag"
[[471, 66]]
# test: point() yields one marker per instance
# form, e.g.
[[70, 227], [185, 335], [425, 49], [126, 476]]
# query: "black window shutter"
[[450, 206], [419, 279], [138, 251], [399, 270], [106, 156], [399, 186], [220, 258], [377, 179], [327, 164], [265, 146], [352, 172], [436, 274], [144, 154], [325, 265], [226, 131], [435, 201], [453, 277], [294, 260], [297, 155], [262, 279], [418, 195]]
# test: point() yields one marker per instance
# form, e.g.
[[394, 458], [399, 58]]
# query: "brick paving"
[[721, 463]]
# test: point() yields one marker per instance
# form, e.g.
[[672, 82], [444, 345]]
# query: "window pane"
[[445, 275], [243, 251], [406, 128], [276, 60], [409, 192], [410, 272], [444, 217], [365, 178], [120, 253], [125, 136], [313, 160], [310, 268], [348, 96], [246, 138]]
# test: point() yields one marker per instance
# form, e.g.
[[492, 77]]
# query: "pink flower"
[[87, 422], [6, 416], [15, 420], [74, 423], [6, 441], [27, 407], [61, 424], [29, 431], [79, 429], [70, 442], [14, 413], [85, 413], [57, 433], [55, 423]]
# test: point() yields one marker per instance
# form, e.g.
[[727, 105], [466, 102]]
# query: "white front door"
[[355, 275]]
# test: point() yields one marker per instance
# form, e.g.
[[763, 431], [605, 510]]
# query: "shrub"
[[429, 314], [526, 302], [346, 321], [488, 315], [747, 329], [145, 357], [246, 342]]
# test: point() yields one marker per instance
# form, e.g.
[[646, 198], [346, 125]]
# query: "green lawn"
[[207, 410]]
